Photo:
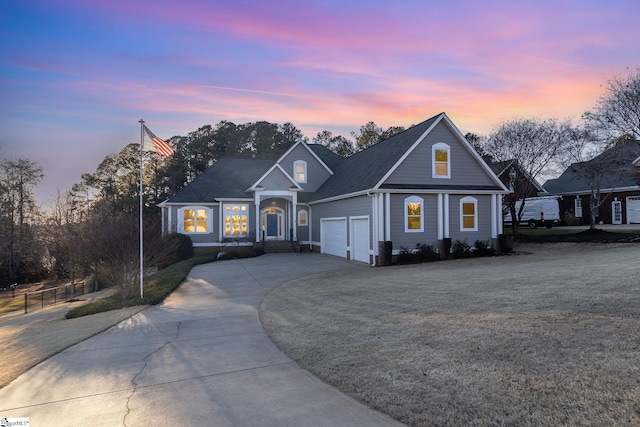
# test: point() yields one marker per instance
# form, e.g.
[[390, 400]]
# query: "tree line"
[[92, 229]]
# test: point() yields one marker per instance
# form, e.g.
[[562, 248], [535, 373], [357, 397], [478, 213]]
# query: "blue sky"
[[76, 76]]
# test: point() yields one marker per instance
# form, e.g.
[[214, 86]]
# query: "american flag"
[[153, 143]]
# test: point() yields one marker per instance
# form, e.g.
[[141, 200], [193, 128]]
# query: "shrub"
[[405, 256], [483, 248], [183, 249], [461, 249], [427, 253]]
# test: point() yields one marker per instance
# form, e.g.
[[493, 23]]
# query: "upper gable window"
[[413, 214], [441, 160], [468, 214], [300, 171]]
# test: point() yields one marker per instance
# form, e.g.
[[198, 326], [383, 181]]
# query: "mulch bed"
[[588, 236]]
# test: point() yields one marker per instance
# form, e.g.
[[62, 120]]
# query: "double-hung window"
[[300, 171], [236, 219], [196, 220], [303, 218], [413, 214], [441, 160], [468, 214]]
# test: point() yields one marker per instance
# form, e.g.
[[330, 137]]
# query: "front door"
[[616, 212], [272, 226]]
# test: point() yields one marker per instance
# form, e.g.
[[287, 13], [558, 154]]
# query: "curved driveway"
[[200, 358]]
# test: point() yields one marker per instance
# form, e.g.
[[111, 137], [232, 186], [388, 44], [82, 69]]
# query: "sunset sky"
[[77, 75]]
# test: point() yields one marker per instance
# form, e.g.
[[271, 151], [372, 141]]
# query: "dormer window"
[[300, 171], [441, 160]]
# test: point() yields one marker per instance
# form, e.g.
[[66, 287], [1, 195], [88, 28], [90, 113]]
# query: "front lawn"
[[547, 336]]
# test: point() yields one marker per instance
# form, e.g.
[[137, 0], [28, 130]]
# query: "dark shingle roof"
[[331, 159], [366, 168], [227, 178], [616, 164]]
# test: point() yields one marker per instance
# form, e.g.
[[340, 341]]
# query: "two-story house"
[[423, 185]]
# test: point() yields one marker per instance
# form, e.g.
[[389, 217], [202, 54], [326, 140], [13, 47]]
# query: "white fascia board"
[[408, 152], [271, 169], [305, 145], [341, 197], [475, 154], [189, 204], [437, 191]]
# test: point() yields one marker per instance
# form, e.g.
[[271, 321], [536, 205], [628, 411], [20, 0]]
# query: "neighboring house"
[[513, 176], [423, 185], [612, 179]]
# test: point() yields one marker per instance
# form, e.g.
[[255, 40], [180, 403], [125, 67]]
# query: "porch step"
[[281, 246]]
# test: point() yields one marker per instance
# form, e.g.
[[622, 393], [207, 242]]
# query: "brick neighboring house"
[[612, 178], [423, 185]]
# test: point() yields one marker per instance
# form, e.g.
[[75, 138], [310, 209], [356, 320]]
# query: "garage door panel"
[[633, 210], [333, 237], [360, 239]]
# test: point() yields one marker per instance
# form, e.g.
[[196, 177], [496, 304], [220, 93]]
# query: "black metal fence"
[[39, 299]]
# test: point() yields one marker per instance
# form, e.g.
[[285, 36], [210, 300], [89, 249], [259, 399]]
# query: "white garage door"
[[333, 237], [360, 239], [633, 210]]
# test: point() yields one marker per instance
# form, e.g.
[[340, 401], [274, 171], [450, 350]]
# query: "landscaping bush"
[[483, 248], [461, 249], [427, 253], [183, 249]]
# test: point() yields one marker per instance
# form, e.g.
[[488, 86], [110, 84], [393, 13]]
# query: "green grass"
[[13, 304], [156, 288]]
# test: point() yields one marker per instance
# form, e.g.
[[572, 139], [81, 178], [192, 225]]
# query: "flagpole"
[[141, 238]]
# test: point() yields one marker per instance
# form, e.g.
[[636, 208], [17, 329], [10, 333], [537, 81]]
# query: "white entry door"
[[333, 236], [616, 212]]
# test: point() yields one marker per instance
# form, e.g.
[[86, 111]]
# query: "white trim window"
[[300, 171], [235, 219], [578, 207], [440, 160], [303, 218], [195, 220], [413, 214], [468, 214]]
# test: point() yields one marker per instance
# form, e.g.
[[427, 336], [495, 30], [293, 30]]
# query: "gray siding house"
[[423, 185]]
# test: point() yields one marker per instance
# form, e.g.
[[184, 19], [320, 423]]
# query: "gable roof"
[[276, 168], [499, 168], [616, 162], [367, 169], [331, 159], [314, 153], [228, 178]]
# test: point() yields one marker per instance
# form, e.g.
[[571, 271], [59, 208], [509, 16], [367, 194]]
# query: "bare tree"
[[617, 113], [18, 215], [532, 144]]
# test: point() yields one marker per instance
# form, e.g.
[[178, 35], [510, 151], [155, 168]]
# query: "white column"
[[294, 205], [494, 217], [500, 217], [387, 216], [446, 216], [258, 224], [439, 210]]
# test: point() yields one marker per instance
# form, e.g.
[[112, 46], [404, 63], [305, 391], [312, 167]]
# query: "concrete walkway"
[[201, 358]]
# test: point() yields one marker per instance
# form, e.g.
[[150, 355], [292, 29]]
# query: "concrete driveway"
[[200, 358]]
